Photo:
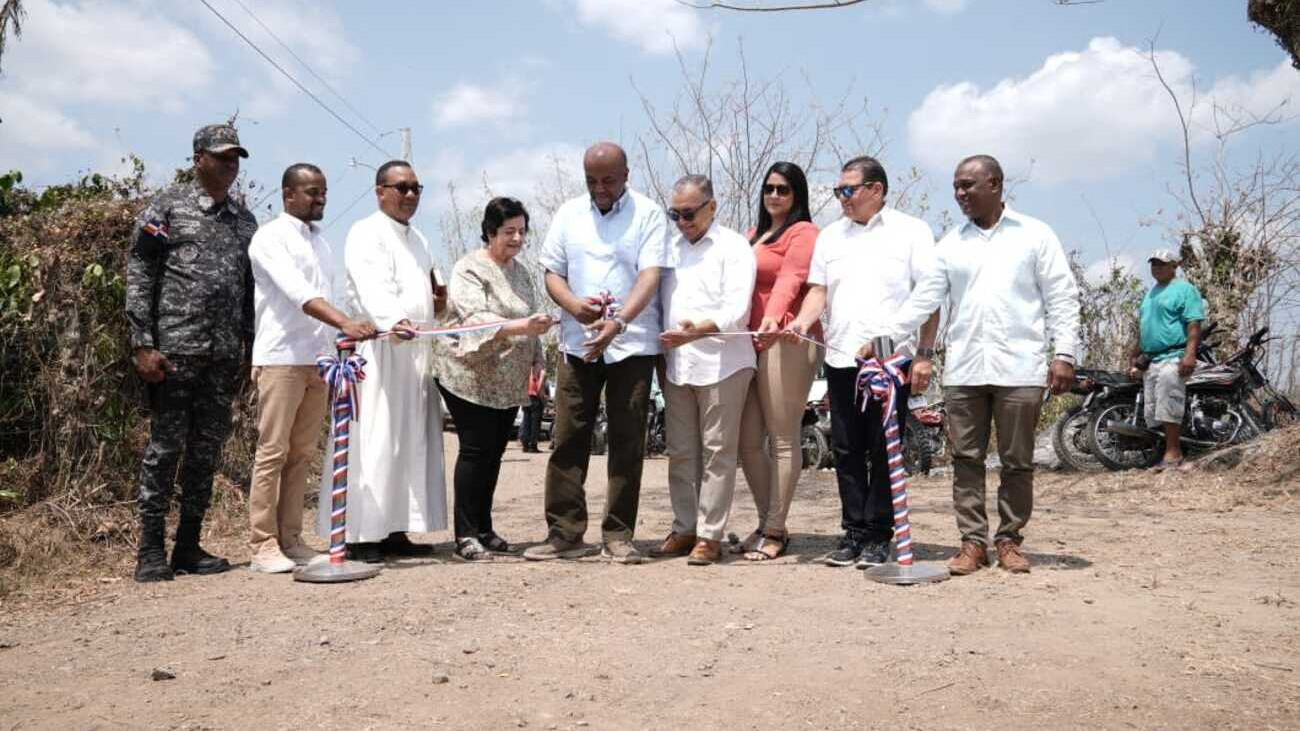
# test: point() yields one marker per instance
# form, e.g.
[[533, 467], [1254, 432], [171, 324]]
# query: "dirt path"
[[1152, 604]]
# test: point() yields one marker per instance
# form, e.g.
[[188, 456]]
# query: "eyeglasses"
[[405, 188], [778, 190], [689, 214], [846, 192]]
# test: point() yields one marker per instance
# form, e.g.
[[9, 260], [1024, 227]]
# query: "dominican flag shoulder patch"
[[156, 228]]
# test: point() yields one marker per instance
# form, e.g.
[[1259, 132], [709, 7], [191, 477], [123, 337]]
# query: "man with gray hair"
[[706, 290]]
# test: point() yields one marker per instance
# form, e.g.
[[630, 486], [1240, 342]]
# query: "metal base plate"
[[324, 572], [917, 573]]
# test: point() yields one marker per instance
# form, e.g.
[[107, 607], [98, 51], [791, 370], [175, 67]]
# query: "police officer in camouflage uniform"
[[189, 299]]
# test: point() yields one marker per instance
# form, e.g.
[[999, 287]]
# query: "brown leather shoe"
[[1011, 558], [971, 558], [676, 544], [705, 553]]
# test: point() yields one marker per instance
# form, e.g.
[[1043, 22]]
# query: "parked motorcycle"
[[924, 435], [815, 435], [656, 438], [1227, 403]]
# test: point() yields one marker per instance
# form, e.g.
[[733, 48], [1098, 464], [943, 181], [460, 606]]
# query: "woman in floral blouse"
[[483, 376]]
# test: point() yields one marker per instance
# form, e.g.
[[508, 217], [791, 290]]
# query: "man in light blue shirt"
[[1169, 333], [602, 256]]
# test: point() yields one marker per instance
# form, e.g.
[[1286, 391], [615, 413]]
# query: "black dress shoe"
[[397, 544], [365, 552]]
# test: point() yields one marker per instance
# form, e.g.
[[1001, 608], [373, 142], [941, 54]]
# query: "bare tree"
[[733, 128], [1238, 227], [12, 15]]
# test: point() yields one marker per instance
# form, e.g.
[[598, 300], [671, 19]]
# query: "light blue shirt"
[[596, 252]]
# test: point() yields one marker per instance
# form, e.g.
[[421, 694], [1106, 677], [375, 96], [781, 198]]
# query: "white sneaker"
[[269, 560], [300, 553]]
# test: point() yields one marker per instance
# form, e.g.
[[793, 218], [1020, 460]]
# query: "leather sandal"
[[768, 549]]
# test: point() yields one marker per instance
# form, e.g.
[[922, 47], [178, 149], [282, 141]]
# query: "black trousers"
[[483, 433], [530, 429], [861, 459]]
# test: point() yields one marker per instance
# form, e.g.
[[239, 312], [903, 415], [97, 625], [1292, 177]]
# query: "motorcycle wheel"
[[918, 448], [1070, 440], [813, 446], [1118, 452]]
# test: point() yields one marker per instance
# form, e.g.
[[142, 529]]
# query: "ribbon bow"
[[881, 379], [342, 373]]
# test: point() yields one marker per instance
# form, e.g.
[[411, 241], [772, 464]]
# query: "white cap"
[[1168, 256]]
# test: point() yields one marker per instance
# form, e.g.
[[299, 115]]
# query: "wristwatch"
[[622, 324], [927, 353]]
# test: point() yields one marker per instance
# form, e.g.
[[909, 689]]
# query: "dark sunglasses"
[[846, 191], [778, 189], [687, 215], [405, 188]]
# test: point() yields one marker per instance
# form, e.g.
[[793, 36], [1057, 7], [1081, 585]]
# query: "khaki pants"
[[292, 403], [774, 407], [702, 424], [971, 411]]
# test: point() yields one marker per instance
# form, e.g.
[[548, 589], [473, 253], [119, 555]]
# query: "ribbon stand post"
[[879, 380], [341, 372]]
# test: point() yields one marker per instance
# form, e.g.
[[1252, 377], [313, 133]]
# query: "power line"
[[296, 83], [304, 64]]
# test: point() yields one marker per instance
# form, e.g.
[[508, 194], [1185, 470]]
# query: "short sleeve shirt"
[[1166, 310]]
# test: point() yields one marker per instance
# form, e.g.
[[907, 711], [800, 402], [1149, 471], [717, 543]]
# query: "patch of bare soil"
[[1163, 601]]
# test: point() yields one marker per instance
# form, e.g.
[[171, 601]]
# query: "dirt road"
[[1154, 603]]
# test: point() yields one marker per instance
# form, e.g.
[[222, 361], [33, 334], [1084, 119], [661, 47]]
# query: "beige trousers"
[[703, 431], [292, 403], [774, 407]]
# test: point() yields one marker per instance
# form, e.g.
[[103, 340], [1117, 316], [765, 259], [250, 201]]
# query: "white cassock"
[[395, 465]]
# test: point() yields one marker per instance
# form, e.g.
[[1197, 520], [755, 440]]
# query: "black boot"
[[188, 557], [151, 559]]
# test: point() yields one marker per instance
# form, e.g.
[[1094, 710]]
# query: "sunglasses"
[[689, 214], [846, 191], [778, 190], [405, 188]]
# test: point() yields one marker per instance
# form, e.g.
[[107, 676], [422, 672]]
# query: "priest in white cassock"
[[395, 466]]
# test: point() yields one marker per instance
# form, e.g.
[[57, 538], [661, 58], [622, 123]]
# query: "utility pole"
[[406, 143]]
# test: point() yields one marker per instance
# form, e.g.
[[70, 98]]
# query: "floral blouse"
[[480, 367]]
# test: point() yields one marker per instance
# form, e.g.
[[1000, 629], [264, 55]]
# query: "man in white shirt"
[[395, 478], [609, 243], [1011, 292], [864, 266], [706, 290], [294, 274]]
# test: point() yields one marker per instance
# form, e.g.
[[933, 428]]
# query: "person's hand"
[[794, 332], [867, 351], [152, 365], [538, 324], [1060, 377], [599, 338], [1187, 365], [1134, 373], [587, 313], [768, 332], [685, 333], [404, 330], [358, 329], [922, 369]]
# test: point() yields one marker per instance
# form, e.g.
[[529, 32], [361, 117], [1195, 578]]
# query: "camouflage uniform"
[[189, 295]]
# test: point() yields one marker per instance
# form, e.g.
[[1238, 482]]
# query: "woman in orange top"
[[783, 246]]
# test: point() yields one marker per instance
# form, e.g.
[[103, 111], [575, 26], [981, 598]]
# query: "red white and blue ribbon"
[[880, 380], [607, 302], [342, 372]]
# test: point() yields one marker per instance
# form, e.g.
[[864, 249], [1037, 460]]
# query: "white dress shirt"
[[868, 270], [711, 279], [1011, 291], [292, 265], [596, 252]]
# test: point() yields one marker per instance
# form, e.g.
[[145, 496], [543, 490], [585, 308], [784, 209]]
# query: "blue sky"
[[501, 87]]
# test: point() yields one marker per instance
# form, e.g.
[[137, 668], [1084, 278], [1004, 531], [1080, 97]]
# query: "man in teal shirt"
[[1170, 330]]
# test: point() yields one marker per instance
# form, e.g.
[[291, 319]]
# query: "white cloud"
[[467, 103], [1099, 271], [529, 173], [1082, 115], [102, 52], [32, 133], [654, 25], [947, 7]]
